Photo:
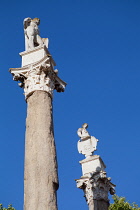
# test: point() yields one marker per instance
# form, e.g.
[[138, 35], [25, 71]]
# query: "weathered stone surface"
[[41, 179], [98, 205], [96, 187], [102, 205]]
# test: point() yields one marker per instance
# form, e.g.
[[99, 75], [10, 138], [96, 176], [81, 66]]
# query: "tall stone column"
[[40, 181], [38, 78], [94, 181]]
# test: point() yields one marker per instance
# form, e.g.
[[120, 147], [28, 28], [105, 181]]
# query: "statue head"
[[85, 125], [36, 20]]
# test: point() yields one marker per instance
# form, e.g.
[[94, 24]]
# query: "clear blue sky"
[[96, 45]]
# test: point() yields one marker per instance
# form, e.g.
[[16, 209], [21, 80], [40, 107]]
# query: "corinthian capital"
[[96, 186], [39, 75]]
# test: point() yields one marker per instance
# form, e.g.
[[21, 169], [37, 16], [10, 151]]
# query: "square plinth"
[[92, 164], [34, 55]]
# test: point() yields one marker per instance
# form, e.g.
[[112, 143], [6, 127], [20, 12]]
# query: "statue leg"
[[31, 42]]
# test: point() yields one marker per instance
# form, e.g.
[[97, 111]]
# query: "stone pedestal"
[[92, 164], [34, 55], [95, 183], [38, 79]]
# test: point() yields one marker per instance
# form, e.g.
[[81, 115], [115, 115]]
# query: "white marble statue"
[[87, 144], [82, 132], [32, 37]]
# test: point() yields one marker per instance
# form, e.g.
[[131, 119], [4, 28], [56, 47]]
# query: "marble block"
[[92, 164], [34, 55]]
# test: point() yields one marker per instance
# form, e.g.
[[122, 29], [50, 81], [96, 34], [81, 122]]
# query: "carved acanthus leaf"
[[39, 75], [96, 186]]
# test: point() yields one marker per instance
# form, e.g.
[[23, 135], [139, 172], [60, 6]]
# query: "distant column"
[[38, 78], [94, 181]]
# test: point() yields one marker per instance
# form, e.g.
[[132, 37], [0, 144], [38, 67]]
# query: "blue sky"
[[96, 45]]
